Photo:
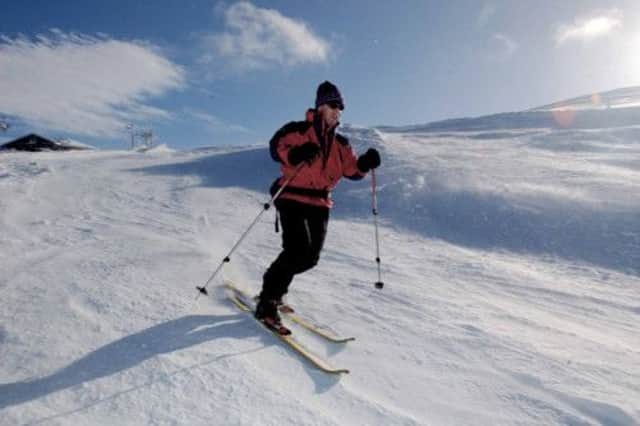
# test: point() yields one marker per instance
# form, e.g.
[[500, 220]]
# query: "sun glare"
[[564, 117]]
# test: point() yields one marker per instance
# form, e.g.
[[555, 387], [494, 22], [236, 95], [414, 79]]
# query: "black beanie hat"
[[328, 92]]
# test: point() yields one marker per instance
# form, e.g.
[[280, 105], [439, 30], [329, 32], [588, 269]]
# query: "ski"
[[293, 316], [290, 341], [315, 329]]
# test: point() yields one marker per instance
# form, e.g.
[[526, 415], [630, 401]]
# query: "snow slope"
[[510, 259], [619, 98], [615, 108]]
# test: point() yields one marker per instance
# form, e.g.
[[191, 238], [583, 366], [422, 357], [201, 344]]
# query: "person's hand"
[[305, 152], [369, 160]]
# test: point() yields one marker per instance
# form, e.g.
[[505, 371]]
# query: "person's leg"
[[304, 229], [296, 241], [317, 219], [307, 255]]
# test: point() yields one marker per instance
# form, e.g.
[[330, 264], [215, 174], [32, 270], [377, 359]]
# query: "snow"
[[75, 144], [510, 259], [619, 98], [158, 148]]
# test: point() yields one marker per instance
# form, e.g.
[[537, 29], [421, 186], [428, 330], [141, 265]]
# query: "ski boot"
[[267, 312]]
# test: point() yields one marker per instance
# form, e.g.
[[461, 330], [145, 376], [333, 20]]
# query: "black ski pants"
[[304, 228]]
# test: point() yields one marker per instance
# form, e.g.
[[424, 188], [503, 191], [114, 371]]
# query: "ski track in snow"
[[510, 261]]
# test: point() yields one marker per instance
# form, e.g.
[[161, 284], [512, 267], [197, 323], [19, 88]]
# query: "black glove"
[[369, 160], [305, 152]]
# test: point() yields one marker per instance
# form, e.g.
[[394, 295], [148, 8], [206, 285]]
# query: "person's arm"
[[350, 168], [293, 148], [354, 167]]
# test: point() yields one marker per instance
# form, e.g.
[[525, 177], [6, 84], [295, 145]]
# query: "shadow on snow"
[[133, 350]]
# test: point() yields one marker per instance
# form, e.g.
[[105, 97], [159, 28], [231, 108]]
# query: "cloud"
[[507, 45], [501, 47], [486, 13], [83, 84], [587, 28], [257, 38], [214, 123]]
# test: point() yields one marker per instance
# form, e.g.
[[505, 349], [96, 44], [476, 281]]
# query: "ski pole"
[[265, 207], [374, 207]]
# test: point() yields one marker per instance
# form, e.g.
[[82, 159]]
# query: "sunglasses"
[[335, 105]]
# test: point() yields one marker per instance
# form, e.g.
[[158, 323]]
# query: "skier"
[[305, 202]]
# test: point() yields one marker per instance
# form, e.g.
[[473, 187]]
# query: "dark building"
[[35, 143]]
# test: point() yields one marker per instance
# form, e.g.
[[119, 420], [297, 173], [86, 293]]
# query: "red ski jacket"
[[313, 183]]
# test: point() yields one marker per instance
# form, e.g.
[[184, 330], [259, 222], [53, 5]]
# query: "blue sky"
[[201, 72]]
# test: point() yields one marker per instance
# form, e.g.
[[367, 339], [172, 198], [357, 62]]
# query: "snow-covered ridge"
[[619, 98], [560, 119], [621, 109]]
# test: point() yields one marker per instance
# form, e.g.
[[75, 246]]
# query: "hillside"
[[614, 108], [510, 257]]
